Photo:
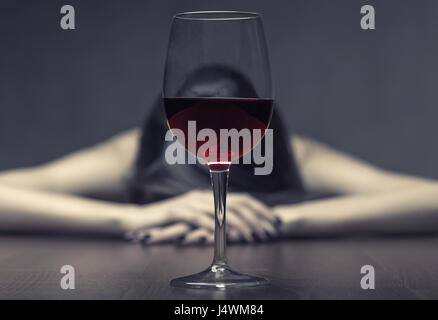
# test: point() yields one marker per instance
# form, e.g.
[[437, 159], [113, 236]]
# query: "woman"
[[85, 192]]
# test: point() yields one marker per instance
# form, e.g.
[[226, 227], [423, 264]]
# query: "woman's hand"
[[189, 219]]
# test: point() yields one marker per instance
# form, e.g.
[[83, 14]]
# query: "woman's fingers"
[[198, 236], [181, 233], [259, 207], [238, 223], [255, 214], [247, 219], [171, 233], [263, 228], [197, 210], [233, 236], [245, 213], [233, 222], [192, 216], [204, 236], [251, 218], [240, 210]]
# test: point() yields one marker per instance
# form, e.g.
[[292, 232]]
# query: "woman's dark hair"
[[217, 81], [208, 81]]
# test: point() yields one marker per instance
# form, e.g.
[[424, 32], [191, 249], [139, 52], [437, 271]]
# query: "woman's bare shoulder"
[[101, 166], [304, 147], [125, 141]]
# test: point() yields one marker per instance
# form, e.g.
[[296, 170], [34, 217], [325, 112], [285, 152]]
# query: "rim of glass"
[[217, 15]]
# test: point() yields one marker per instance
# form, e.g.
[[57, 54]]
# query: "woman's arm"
[[327, 170], [371, 200], [51, 198], [101, 170], [33, 210], [407, 210]]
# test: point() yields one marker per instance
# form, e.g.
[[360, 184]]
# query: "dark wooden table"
[[406, 268]]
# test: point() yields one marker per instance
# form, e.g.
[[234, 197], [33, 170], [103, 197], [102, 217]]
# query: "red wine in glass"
[[217, 114]]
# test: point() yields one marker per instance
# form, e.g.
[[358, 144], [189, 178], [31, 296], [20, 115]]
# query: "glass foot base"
[[218, 277]]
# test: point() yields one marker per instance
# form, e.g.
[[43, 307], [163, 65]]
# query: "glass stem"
[[219, 181]]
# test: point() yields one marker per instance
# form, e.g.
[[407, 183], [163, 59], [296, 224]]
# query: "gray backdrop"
[[370, 93]]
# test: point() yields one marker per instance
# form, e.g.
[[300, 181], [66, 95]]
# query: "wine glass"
[[208, 45]]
